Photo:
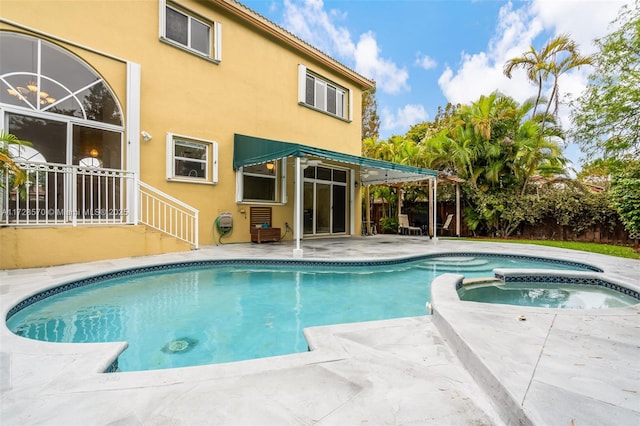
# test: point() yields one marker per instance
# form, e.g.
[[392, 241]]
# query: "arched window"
[[39, 76], [69, 115]]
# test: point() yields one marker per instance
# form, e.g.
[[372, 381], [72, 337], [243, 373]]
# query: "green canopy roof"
[[249, 150]]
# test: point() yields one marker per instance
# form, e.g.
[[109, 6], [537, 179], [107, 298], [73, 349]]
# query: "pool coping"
[[511, 397]]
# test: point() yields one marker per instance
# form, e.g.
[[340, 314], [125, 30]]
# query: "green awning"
[[250, 150]]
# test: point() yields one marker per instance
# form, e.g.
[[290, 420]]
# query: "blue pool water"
[[548, 295], [204, 315]]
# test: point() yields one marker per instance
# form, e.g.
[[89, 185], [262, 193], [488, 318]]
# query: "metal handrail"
[[167, 214], [63, 194]]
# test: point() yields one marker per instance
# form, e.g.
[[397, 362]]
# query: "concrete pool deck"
[[468, 363]]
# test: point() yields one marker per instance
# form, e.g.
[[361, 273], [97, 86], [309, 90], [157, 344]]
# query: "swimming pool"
[[220, 311]]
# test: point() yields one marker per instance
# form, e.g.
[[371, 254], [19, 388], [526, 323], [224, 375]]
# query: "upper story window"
[[191, 160], [322, 94], [190, 31]]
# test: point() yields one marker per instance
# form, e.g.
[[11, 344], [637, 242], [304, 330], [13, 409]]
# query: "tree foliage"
[[7, 165], [495, 144], [607, 116], [498, 145], [625, 193], [370, 117], [427, 129]]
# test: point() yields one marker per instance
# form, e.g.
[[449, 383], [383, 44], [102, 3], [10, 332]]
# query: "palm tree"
[[537, 151], [558, 56], [562, 64], [533, 63], [369, 147], [6, 163]]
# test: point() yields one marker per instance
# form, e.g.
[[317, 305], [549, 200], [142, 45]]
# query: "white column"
[[297, 252], [457, 209], [352, 204], [432, 224], [133, 139], [435, 209], [368, 211]]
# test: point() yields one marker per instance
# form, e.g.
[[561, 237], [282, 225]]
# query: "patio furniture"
[[260, 223], [369, 228], [446, 226], [405, 228]]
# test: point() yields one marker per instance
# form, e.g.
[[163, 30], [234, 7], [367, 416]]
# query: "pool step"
[[458, 260], [457, 265]]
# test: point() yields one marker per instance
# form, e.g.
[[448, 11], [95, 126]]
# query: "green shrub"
[[389, 225]]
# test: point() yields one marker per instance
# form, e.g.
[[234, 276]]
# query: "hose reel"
[[224, 225]]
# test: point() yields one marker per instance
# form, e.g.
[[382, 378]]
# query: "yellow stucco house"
[[158, 126]]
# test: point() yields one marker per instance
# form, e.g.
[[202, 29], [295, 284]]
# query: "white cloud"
[[588, 19], [309, 20], [481, 73], [517, 30], [389, 78], [425, 61], [273, 6], [402, 119]]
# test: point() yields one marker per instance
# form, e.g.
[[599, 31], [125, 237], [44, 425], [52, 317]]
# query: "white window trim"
[[211, 175], [216, 31], [281, 191], [302, 96]]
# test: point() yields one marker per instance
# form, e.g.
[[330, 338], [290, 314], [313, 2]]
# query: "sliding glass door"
[[325, 201]]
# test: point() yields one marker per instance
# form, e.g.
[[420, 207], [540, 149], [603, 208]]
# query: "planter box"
[[265, 235]]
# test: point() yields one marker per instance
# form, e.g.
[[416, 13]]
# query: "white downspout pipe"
[[297, 252]]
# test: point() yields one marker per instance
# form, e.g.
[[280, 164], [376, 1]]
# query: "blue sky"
[[425, 53]]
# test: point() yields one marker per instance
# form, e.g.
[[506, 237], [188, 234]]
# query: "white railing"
[[61, 194], [168, 214]]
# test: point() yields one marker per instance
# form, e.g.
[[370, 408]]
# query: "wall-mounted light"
[[146, 136], [270, 166]]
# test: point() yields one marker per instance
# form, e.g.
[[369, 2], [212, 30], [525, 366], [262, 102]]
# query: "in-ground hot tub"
[[545, 290]]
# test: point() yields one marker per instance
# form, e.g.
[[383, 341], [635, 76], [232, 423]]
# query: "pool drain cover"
[[180, 345]]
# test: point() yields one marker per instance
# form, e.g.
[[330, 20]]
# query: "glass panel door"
[[325, 201], [339, 209], [100, 194], [308, 213], [43, 195], [323, 208]]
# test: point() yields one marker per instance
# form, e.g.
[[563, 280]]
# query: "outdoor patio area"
[[468, 363]]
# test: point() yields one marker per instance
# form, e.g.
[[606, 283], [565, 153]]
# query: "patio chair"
[[446, 226], [404, 227]]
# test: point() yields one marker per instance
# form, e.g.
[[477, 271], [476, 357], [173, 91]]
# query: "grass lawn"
[[611, 250]]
